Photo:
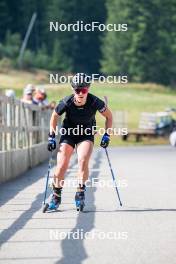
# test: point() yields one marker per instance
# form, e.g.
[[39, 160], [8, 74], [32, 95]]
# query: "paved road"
[[142, 231]]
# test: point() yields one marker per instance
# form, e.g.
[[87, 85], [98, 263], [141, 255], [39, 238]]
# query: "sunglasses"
[[83, 90]]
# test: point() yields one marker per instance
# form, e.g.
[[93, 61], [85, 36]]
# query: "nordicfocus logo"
[[79, 130], [90, 183], [55, 78], [80, 234], [80, 26]]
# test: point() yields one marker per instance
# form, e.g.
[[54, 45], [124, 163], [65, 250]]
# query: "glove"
[[105, 141], [51, 142]]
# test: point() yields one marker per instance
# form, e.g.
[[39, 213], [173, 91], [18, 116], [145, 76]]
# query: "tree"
[[147, 50], [81, 50]]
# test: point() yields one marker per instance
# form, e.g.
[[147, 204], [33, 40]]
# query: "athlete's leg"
[[63, 158], [84, 151]]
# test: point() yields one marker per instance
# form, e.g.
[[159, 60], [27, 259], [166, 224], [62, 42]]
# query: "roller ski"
[[80, 198], [53, 205]]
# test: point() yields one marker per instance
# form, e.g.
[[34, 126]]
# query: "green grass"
[[132, 98]]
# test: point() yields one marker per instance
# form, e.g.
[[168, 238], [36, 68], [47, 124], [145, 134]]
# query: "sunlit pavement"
[[143, 230]]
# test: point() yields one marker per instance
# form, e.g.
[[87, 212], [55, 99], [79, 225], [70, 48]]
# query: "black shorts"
[[74, 140]]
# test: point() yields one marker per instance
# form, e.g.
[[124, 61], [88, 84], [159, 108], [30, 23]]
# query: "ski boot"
[[80, 198], [55, 200]]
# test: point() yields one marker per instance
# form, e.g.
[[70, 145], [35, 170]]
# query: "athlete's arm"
[[108, 115], [53, 122]]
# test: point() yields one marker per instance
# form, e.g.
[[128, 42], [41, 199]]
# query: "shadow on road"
[[6, 234], [9, 189], [12, 188], [73, 249]]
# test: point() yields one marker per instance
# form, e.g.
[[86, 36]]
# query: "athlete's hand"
[[51, 142], [105, 141]]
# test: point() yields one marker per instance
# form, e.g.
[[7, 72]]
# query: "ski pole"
[[113, 177], [48, 175]]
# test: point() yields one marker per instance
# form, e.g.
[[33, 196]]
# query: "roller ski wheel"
[[79, 199], [80, 208]]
